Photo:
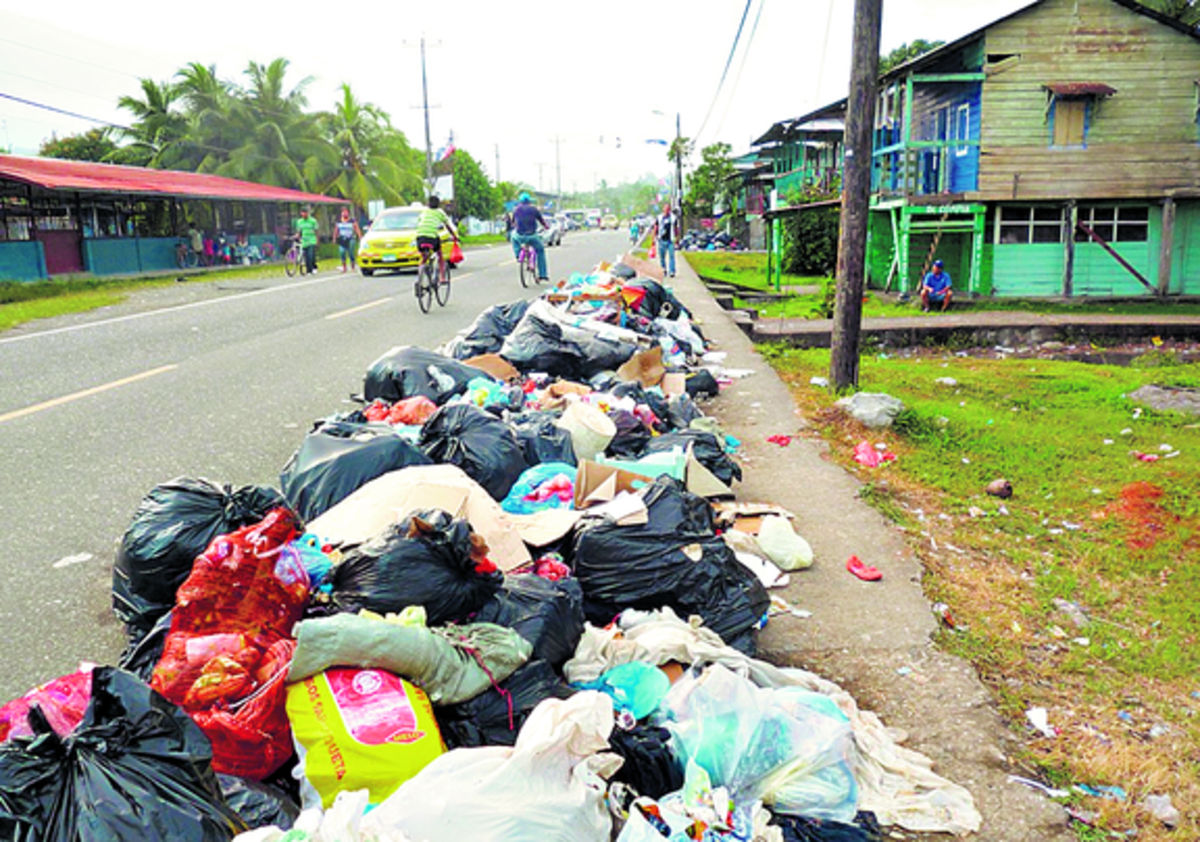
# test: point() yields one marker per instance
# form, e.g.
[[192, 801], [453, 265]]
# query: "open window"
[[1071, 108]]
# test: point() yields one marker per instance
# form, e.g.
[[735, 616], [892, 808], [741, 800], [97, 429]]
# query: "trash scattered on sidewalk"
[[871, 457], [519, 569]]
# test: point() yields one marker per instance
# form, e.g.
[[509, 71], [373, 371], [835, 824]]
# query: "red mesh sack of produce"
[[230, 644]]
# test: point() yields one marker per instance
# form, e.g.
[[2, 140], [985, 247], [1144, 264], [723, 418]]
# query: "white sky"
[[506, 75]]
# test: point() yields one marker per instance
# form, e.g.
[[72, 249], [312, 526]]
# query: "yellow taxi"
[[390, 242], [609, 221]]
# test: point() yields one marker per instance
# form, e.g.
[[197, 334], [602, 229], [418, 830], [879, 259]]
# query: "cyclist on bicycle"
[[432, 220], [526, 219]]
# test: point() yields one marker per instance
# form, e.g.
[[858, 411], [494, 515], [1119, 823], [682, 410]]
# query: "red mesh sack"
[[230, 644]]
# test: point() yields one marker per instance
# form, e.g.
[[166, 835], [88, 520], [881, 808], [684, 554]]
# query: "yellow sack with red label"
[[360, 729]]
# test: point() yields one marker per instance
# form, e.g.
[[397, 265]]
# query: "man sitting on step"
[[935, 289]]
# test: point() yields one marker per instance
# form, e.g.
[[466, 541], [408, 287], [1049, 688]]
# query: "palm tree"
[[372, 160], [210, 103], [157, 127]]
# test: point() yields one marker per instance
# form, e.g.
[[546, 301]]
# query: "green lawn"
[[1089, 523], [748, 269]]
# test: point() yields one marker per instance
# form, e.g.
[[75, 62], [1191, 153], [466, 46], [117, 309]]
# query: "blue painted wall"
[[22, 260], [122, 256]]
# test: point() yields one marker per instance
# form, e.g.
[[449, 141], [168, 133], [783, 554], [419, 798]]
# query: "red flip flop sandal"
[[867, 574]]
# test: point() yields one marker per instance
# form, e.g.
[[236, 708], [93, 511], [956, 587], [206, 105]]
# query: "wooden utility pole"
[[856, 193]]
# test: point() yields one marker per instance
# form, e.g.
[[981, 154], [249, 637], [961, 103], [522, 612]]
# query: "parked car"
[[553, 236], [390, 242], [609, 221]]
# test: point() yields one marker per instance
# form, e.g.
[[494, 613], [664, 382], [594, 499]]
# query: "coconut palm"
[[158, 126]]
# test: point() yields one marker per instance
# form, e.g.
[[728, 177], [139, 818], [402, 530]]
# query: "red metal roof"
[[56, 174], [1080, 89]]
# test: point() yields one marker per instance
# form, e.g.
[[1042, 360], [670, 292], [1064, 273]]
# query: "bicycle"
[[433, 279], [293, 259], [185, 258], [527, 264]]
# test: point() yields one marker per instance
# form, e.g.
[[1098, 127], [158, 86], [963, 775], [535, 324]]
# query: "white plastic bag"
[[547, 787], [782, 545]]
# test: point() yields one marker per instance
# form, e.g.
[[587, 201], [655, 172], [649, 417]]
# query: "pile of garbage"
[[697, 239], [507, 597]]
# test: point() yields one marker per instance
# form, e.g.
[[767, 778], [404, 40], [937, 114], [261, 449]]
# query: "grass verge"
[[748, 269], [1078, 595]]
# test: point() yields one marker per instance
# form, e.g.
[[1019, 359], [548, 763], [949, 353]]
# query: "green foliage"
[[810, 242], [711, 182], [92, 145], [906, 52], [1185, 11], [473, 194]]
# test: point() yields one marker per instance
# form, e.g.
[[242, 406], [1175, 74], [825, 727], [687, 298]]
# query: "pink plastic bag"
[[865, 454]]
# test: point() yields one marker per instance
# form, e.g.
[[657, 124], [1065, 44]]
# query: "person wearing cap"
[[935, 288], [526, 219], [306, 229]]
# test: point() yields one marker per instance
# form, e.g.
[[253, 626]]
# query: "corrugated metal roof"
[[87, 176], [1080, 89]]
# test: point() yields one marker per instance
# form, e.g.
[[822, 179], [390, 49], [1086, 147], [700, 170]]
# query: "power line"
[[737, 80], [737, 37], [62, 111], [68, 58]]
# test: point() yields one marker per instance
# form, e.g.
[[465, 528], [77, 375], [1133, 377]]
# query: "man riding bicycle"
[[526, 219], [432, 220]]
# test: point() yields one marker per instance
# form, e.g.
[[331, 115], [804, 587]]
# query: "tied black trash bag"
[[487, 333], [541, 439], [658, 301], [258, 804], [136, 767], [675, 559], [543, 343], [547, 614], [142, 657], [650, 767], [337, 458], [701, 383], [682, 410], [476, 441], [173, 524], [705, 447], [631, 438], [429, 559], [485, 720], [407, 370]]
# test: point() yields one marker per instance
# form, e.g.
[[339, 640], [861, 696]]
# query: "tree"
[[711, 182], [906, 52], [473, 194], [92, 145], [157, 128], [1184, 11]]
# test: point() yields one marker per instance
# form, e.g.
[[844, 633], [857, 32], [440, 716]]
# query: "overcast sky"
[[502, 76]]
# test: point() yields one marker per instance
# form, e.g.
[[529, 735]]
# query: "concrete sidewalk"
[[989, 327], [861, 633]]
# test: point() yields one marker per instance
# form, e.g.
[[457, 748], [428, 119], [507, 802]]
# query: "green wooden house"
[[1053, 152]]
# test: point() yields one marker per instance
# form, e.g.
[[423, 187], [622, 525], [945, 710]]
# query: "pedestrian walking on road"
[[306, 228], [666, 232], [347, 233]]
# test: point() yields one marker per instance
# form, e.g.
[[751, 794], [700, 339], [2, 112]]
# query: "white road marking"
[[174, 309], [94, 390], [359, 308]]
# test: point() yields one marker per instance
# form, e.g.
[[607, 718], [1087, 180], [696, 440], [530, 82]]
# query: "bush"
[[810, 242]]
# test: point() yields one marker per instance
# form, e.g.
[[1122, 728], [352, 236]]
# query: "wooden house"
[[1055, 151]]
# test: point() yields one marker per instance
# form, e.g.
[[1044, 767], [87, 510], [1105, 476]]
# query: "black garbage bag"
[[658, 302], [655, 401], [701, 383], [682, 410], [707, 449], [141, 657], [541, 439], [426, 559], [174, 523], [337, 458], [487, 333], [407, 370], [258, 804], [675, 559], [136, 767], [650, 767], [476, 441], [547, 614], [623, 271], [631, 438], [495, 716], [540, 342], [805, 829]]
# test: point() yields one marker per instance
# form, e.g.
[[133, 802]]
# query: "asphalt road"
[[212, 380]]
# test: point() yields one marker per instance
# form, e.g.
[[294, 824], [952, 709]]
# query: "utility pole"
[[428, 143], [856, 194], [539, 165], [678, 165], [497, 163], [557, 175]]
